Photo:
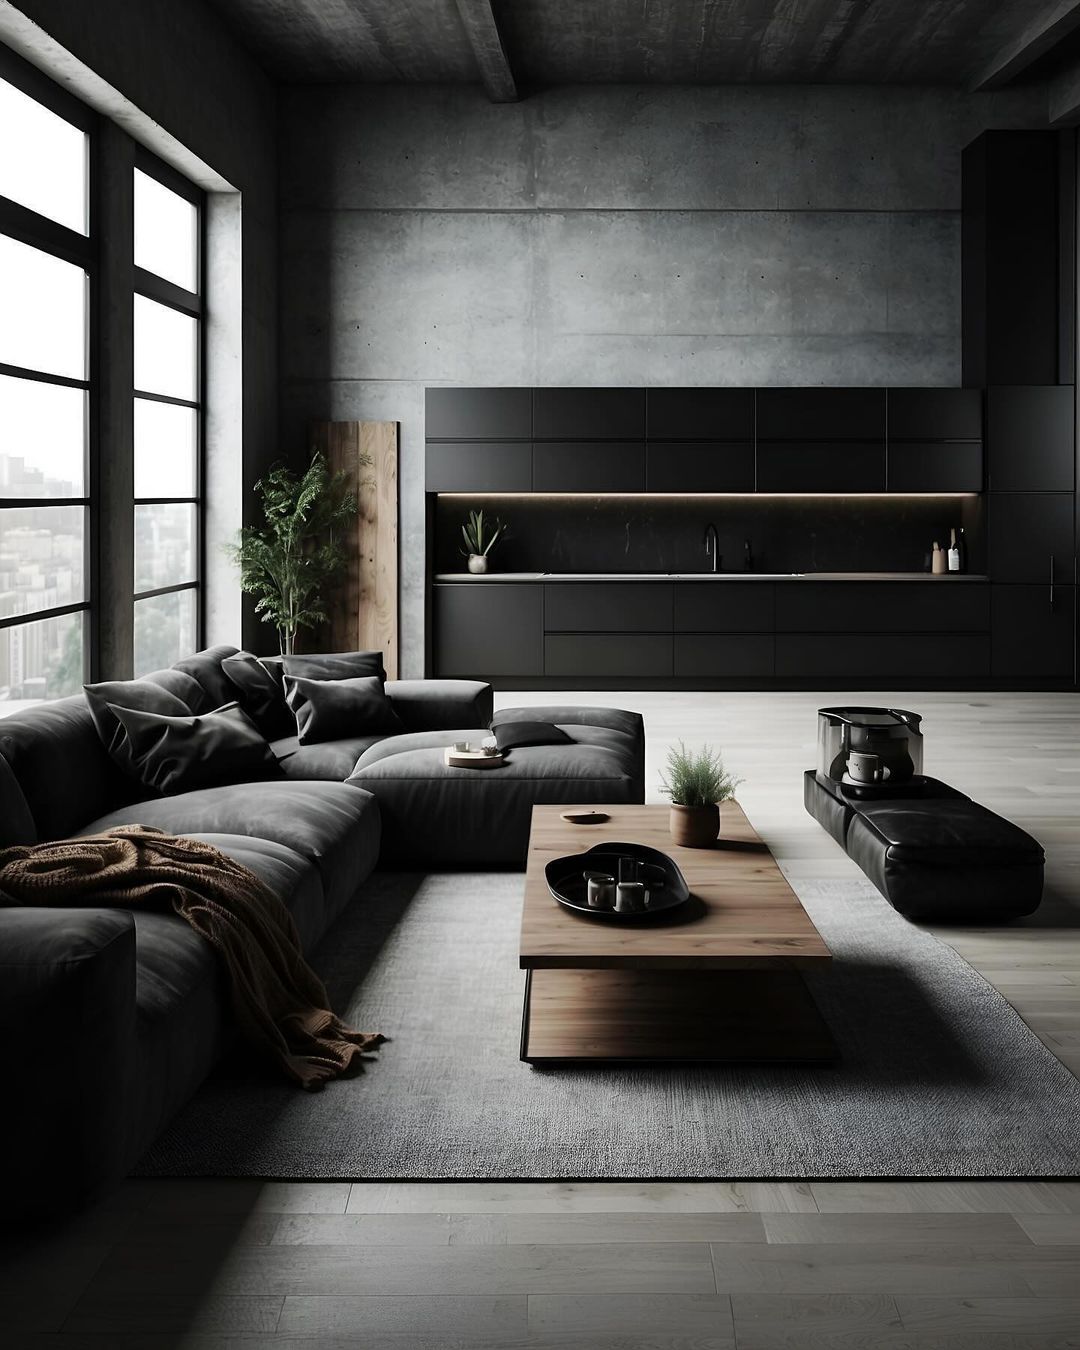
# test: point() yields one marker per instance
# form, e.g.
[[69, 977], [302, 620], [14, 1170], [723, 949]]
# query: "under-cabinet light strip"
[[692, 496]]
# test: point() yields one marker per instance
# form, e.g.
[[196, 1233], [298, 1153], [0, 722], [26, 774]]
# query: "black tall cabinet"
[[1019, 336]]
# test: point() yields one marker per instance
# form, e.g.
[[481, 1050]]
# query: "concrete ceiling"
[[962, 43]]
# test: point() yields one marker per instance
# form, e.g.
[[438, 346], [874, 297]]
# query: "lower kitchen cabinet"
[[1033, 639], [488, 629], [724, 656], [851, 657], [725, 607], [608, 607], [591, 656], [1030, 535], [933, 606]]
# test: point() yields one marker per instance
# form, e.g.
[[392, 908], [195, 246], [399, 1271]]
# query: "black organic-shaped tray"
[[665, 883]]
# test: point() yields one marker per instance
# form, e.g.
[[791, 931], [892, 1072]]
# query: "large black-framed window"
[[167, 316], [48, 261]]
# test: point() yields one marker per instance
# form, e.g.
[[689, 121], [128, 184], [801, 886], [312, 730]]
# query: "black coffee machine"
[[871, 752]]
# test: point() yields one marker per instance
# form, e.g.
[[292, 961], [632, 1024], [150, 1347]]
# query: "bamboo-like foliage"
[[288, 562], [697, 778]]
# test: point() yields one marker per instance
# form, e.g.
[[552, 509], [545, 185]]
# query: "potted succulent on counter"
[[481, 536], [696, 782]]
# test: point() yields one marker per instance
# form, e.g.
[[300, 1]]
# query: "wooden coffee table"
[[720, 981]]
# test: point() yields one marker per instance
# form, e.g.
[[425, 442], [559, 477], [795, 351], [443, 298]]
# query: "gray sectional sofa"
[[110, 1019]]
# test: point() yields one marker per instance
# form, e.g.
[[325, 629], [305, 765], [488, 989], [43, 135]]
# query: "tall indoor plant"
[[288, 562]]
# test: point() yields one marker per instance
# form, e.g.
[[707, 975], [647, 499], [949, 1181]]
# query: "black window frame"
[[193, 304], [28, 227]]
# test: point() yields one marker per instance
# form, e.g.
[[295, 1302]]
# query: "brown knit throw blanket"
[[280, 1002]]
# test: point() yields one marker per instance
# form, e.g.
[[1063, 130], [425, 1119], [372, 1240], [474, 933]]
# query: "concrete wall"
[[613, 235], [182, 69]]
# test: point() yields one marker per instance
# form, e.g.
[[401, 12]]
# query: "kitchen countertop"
[[493, 577]]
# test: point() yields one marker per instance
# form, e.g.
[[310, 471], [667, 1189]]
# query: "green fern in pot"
[[696, 782]]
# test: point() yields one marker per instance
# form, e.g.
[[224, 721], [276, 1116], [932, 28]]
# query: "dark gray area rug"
[[938, 1075]]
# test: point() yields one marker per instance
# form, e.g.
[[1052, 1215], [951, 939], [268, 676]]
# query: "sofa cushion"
[[205, 669], [328, 710], [16, 821], [952, 833], [260, 695], [330, 761], [334, 665], [106, 698], [187, 689], [179, 754], [64, 771], [440, 705], [332, 824]]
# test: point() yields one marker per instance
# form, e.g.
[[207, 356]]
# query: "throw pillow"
[[335, 665], [180, 754], [330, 710], [141, 696], [261, 695], [509, 735]]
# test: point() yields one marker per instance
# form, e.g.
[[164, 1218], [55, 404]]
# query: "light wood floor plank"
[[928, 1229]]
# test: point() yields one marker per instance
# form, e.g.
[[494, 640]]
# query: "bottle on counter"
[[961, 544], [939, 563], [954, 551]]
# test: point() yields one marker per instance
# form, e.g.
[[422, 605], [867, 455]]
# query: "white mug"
[[865, 768]]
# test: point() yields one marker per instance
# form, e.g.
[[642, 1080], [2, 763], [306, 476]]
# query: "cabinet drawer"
[[487, 628], [608, 607], [612, 656], [821, 414], [699, 466], [725, 607], [1031, 639], [935, 466], [589, 414], [478, 414], [589, 466], [935, 414], [1031, 438], [1026, 530], [479, 466], [931, 606], [700, 414], [847, 466], [713, 656], [854, 657]]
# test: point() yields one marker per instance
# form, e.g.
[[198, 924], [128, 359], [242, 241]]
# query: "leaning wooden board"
[[722, 983]]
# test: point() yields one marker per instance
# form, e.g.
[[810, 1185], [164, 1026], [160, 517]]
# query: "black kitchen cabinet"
[[1033, 633], [821, 414], [724, 656], [821, 466], [485, 629], [890, 607], [1031, 438], [935, 414], [589, 414], [608, 607], [939, 658], [1030, 535], [478, 414], [935, 466], [700, 414], [589, 466], [609, 656], [479, 466], [725, 606], [699, 466]]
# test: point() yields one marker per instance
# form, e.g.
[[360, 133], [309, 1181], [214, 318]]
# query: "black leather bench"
[[936, 856]]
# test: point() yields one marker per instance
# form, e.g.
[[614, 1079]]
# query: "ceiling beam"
[[487, 44], [1022, 51]]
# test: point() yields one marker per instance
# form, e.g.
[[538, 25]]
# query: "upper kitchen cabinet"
[[1017, 252], [478, 466], [935, 466], [700, 415], [821, 415], [821, 466], [699, 466], [935, 414], [589, 414], [589, 466], [478, 414], [1030, 438]]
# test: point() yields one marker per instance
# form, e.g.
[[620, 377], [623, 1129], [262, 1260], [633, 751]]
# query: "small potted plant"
[[480, 536], [696, 782]]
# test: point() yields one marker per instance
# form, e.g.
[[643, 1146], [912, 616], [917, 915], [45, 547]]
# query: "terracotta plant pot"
[[694, 826], [478, 563]]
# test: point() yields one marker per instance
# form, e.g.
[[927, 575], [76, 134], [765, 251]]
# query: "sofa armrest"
[[441, 705], [67, 1052]]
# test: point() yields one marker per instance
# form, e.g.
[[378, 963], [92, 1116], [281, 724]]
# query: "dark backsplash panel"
[[652, 534]]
